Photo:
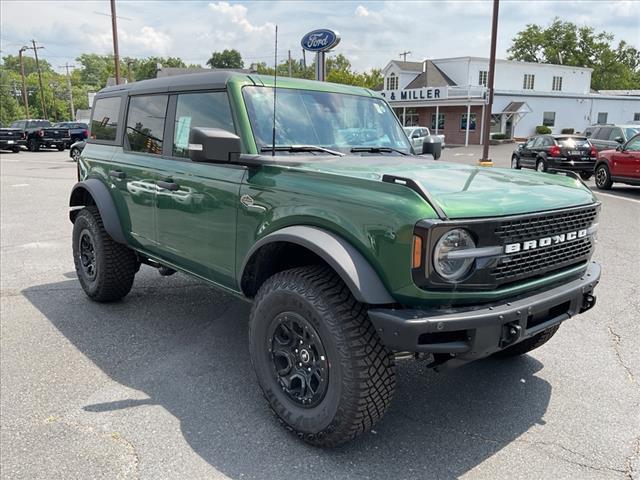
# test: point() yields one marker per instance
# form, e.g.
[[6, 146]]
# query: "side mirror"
[[619, 140], [619, 148], [433, 146], [213, 145]]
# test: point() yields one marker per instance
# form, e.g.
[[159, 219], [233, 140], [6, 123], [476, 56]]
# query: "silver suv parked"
[[608, 137]]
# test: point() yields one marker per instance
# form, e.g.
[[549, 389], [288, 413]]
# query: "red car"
[[619, 165]]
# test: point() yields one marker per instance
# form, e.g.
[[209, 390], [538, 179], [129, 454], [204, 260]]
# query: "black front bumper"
[[475, 332]]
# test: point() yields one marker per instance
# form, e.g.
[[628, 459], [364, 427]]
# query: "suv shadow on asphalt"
[[185, 346]]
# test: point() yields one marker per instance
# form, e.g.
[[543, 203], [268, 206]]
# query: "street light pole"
[[114, 29], [486, 121], [25, 97], [44, 104]]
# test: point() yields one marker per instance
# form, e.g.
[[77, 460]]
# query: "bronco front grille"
[[543, 225], [542, 260]]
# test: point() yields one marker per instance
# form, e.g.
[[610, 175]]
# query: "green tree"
[[226, 59], [565, 43]]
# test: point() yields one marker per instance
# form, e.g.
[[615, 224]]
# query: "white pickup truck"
[[417, 135]]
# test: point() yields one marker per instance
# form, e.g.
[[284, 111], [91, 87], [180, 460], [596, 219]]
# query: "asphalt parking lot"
[[160, 384]]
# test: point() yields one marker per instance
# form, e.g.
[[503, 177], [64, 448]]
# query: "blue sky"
[[372, 32]]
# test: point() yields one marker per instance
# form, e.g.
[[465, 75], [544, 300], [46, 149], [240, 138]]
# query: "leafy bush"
[[498, 136], [568, 131], [543, 130]]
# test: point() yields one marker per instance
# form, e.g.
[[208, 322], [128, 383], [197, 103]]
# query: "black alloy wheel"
[[299, 360], [603, 177], [87, 255]]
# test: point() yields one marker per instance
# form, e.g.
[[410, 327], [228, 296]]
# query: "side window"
[[104, 121], [590, 132], [530, 143], [538, 142], [615, 133], [145, 123], [603, 133], [208, 110]]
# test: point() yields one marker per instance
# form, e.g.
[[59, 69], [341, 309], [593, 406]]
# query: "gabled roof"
[[431, 77], [405, 66]]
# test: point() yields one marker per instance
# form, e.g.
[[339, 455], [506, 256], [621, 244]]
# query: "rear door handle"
[[117, 174], [168, 185]]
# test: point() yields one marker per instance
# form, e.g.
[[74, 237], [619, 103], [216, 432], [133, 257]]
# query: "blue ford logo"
[[320, 40]]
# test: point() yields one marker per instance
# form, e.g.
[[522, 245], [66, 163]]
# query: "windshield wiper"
[[377, 150], [300, 148]]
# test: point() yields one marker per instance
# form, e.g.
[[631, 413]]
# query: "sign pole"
[[320, 42], [320, 66]]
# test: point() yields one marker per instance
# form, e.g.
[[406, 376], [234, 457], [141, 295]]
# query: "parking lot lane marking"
[[617, 197], [20, 185]]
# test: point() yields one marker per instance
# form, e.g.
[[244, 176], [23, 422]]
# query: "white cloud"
[[238, 15], [361, 11]]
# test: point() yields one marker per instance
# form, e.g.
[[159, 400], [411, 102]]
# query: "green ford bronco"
[[352, 249]]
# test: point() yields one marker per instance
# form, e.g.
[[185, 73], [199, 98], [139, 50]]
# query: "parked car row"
[[579, 154], [35, 134]]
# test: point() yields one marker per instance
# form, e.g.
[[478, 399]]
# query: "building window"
[[472, 123], [392, 82], [411, 117], [528, 82], [549, 119], [556, 85], [496, 123], [440, 121], [636, 117], [602, 117], [482, 78]]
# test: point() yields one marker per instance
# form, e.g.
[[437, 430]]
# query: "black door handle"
[[117, 174], [168, 185]]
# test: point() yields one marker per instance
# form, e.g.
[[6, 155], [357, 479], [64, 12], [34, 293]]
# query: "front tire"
[[515, 163], [75, 154], [603, 177], [104, 267], [317, 357], [33, 145], [60, 148], [16, 150], [541, 165], [529, 344], [585, 175]]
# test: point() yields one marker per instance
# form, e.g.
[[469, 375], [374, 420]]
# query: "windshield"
[[330, 120]]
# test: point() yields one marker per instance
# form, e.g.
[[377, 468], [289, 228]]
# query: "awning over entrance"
[[517, 107], [506, 120]]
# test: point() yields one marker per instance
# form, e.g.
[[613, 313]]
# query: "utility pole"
[[114, 29], [44, 104], [485, 161], [25, 97], [73, 111], [404, 55], [289, 63]]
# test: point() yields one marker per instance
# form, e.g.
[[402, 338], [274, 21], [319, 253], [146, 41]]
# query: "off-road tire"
[[585, 175], [603, 177], [33, 145], [115, 264], [361, 377], [529, 344]]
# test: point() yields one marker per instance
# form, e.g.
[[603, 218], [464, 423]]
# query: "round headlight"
[[449, 266]]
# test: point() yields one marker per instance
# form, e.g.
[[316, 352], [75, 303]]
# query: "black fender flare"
[[104, 202], [350, 265]]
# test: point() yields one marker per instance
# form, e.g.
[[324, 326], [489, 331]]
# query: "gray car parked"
[[608, 137]]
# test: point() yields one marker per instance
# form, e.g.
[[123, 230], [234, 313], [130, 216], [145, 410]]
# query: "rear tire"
[[541, 165], [351, 376], [603, 177], [61, 148], [104, 267], [33, 145], [75, 154], [15, 149], [515, 163], [585, 175], [529, 344]]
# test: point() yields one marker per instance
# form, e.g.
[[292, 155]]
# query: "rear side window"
[[615, 133], [206, 110], [145, 123], [104, 122], [589, 132], [603, 133]]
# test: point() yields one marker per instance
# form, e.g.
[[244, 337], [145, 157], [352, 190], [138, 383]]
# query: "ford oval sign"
[[320, 40]]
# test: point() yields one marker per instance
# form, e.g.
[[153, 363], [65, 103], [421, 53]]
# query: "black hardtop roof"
[[190, 81]]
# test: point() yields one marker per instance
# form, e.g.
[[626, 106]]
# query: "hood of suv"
[[465, 191]]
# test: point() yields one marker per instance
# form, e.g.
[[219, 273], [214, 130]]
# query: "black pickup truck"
[[41, 134], [12, 139]]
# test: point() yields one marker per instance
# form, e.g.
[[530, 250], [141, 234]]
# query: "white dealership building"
[[443, 93]]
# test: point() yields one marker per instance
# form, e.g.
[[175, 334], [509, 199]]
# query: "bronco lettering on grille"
[[544, 242]]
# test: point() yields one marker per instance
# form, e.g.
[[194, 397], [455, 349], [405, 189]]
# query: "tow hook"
[[588, 301], [510, 333]]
